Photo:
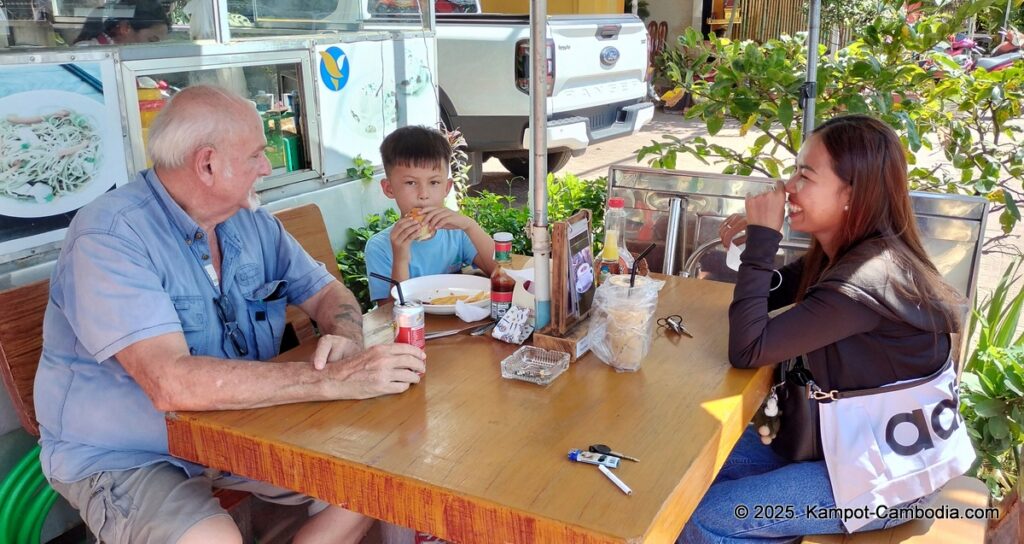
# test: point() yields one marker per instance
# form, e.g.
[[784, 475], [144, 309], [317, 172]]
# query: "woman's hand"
[[768, 209], [733, 225]]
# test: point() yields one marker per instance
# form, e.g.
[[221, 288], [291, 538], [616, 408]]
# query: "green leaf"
[[990, 408], [969, 381], [1007, 221], [998, 427], [785, 112], [1011, 205], [715, 124], [1017, 414]]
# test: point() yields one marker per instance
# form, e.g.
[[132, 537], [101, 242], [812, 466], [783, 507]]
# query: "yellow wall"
[[555, 7]]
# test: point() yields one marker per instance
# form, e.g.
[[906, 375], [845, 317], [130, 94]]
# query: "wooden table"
[[471, 457]]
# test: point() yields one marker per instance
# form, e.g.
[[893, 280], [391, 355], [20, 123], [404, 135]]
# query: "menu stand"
[[568, 330]]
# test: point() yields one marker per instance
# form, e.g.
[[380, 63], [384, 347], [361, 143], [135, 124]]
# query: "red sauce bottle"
[[502, 284]]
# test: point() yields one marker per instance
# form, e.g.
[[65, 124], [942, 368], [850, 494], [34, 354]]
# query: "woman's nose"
[[793, 185]]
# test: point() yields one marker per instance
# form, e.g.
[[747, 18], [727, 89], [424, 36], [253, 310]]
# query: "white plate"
[[425, 288], [104, 171]]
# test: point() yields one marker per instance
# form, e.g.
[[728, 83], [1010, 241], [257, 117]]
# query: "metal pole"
[[635, 7], [809, 90], [539, 160], [732, 19], [675, 214]]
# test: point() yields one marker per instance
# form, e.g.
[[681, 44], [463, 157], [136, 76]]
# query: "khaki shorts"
[[158, 503]]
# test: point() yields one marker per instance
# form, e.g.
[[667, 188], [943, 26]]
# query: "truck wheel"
[[520, 166]]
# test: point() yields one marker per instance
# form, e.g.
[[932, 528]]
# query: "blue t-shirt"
[[444, 253], [133, 267]]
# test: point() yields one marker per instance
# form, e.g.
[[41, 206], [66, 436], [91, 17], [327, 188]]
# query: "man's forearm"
[[338, 313], [221, 384]]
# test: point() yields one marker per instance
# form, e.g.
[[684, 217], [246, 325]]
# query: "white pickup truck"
[[596, 79]]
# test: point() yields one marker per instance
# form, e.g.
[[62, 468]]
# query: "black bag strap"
[[816, 393]]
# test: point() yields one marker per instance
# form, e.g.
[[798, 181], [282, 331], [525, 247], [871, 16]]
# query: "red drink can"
[[410, 324]]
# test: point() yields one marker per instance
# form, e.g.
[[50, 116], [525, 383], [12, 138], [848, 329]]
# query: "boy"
[[429, 238]]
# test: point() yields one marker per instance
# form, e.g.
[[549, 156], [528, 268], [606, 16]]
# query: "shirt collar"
[[187, 227]]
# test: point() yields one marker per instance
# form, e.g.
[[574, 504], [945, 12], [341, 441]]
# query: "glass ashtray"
[[534, 365]]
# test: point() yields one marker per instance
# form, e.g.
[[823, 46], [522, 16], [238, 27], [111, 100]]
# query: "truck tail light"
[[522, 65]]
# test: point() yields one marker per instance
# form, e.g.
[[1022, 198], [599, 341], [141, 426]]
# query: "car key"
[[605, 450]]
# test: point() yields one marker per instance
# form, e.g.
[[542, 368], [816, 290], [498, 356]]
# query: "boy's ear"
[[448, 189], [385, 186]]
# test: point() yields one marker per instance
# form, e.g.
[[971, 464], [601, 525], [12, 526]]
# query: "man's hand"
[[768, 209], [331, 348], [439, 217], [385, 369]]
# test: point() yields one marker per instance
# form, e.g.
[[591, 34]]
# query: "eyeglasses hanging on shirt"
[[226, 312]]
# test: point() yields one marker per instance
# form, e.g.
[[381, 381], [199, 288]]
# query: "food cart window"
[[277, 91], [62, 23], [255, 18]]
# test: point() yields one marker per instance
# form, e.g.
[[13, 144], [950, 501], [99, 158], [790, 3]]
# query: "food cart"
[[329, 83], [329, 79]]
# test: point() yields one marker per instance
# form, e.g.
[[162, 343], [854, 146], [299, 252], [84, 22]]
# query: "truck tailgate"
[[598, 60]]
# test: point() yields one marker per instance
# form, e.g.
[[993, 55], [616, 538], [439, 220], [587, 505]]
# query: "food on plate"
[[43, 157], [452, 298], [417, 215]]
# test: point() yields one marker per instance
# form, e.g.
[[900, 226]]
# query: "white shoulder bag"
[[892, 444]]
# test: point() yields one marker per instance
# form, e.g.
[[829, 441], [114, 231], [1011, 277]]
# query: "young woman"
[[870, 310]]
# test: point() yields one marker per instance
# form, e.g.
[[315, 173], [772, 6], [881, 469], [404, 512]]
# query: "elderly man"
[[167, 294]]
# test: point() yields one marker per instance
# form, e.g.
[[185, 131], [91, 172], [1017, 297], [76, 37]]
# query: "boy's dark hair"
[[417, 146]]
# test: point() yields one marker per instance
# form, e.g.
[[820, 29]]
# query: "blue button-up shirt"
[[134, 266]]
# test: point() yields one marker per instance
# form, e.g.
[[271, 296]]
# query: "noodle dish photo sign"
[[61, 147]]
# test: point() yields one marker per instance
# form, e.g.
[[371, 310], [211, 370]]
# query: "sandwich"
[[425, 232]]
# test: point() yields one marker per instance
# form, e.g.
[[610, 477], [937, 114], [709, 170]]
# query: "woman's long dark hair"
[[146, 14], [867, 155]]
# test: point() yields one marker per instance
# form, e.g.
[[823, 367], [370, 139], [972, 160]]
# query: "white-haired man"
[[166, 295]]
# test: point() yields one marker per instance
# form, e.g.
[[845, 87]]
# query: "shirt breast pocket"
[[190, 312], [192, 315], [267, 306]]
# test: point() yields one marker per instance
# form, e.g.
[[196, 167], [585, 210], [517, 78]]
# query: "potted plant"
[[992, 403]]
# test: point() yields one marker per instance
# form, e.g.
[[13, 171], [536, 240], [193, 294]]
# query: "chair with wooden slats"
[[306, 224], [21, 342]]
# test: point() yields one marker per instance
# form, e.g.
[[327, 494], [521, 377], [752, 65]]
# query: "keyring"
[[674, 323]]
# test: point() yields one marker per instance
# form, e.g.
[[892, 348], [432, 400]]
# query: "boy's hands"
[[439, 217], [403, 233]]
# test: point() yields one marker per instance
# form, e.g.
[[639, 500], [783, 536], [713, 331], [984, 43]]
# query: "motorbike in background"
[[962, 49], [1006, 53]]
